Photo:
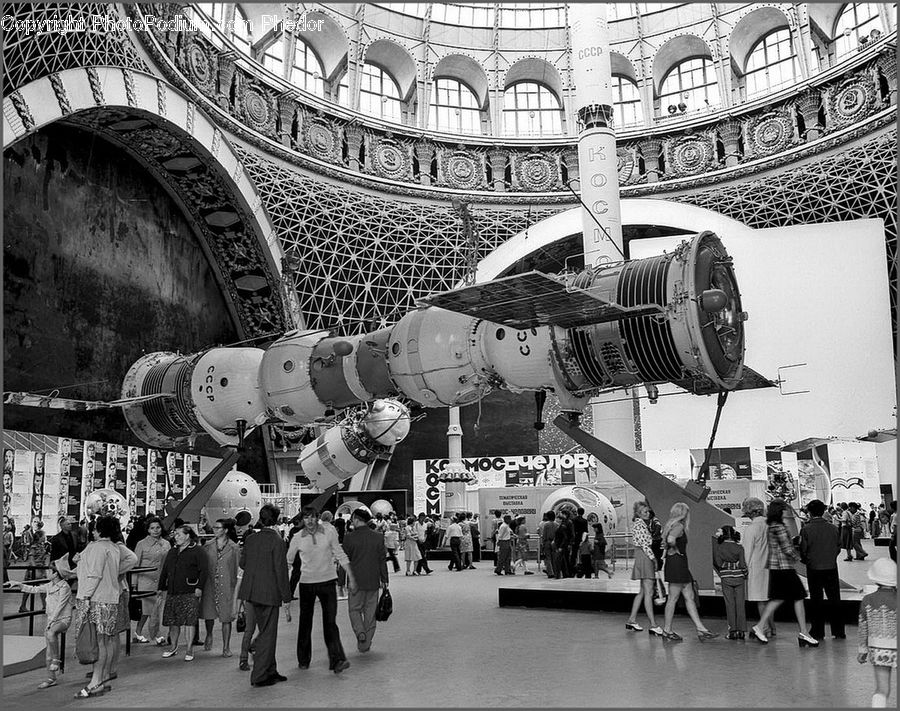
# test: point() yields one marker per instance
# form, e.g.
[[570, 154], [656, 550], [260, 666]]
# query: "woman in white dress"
[[756, 550]]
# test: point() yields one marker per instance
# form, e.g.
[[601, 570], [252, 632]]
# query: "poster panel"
[[75, 449]]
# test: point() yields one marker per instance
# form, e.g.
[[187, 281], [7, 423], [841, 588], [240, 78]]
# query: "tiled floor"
[[449, 644]]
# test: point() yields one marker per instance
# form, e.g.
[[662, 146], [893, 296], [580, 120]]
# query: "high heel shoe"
[[804, 640], [658, 631], [634, 627], [704, 635], [757, 635], [672, 636]]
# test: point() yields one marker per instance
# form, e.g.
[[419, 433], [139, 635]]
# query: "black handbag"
[[241, 624], [385, 606]]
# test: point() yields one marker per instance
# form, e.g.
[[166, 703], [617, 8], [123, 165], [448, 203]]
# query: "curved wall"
[[99, 266]]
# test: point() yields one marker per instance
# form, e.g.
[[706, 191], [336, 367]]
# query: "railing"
[[32, 613]]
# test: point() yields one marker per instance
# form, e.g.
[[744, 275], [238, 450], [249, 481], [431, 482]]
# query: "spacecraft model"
[[671, 318]]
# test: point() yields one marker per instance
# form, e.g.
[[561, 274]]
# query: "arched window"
[[692, 82], [240, 35], [343, 91], [531, 109], [626, 102], [273, 57], [454, 108], [378, 94], [307, 71], [772, 63], [238, 30], [857, 20]]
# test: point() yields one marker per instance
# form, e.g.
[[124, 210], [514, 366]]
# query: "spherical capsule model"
[[237, 492], [107, 502], [387, 422], [587, 497], [381, 506], [348, 506]]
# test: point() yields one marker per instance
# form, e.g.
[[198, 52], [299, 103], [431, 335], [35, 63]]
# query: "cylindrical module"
[[597, 162]]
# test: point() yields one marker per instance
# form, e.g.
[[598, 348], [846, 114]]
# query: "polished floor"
[[449, 644]]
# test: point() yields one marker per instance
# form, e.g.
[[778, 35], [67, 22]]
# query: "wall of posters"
[[47, 484]]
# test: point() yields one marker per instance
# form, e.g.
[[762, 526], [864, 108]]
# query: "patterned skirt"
[[882, 657], [181, 610], [103, 615]]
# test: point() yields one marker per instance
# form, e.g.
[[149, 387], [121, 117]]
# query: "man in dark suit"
[[579, 528], [368, 560], [64, 543], [264, 586], [244, 530], [820, 545]]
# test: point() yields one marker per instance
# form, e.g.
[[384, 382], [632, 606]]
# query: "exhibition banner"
[[854, 473], [174, 475], [512, 471], [519, 501]]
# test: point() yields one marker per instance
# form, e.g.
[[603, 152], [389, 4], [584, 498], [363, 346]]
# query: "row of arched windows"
[[531, 108]]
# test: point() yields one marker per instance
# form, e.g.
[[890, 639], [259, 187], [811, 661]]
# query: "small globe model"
[[107, 502], [387, 422]]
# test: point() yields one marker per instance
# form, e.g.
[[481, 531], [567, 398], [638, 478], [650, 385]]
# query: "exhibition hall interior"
[[599, 296]]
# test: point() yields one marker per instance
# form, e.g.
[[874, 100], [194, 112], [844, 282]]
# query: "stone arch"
[[824, 17], [750, 29], [537, 70], [192, 160], [466, 70], [391, 57], [675, 51]]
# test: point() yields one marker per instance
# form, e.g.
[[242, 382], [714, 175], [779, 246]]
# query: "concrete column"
[[887, 63], [497, 158], [354, 143], [424, 154], [730, 132], [808, 104], [286, 110], [650, 149]]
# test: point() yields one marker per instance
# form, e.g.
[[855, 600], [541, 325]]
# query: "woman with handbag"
[[219, 593], [677, 574], [784, 583], [183, 577], [97, 604], [151, 553]]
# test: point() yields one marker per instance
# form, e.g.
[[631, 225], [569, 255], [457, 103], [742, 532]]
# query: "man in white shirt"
[[504, 547], [453, 534], [319, 547]]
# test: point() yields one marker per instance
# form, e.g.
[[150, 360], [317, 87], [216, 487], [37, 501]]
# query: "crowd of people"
[[242, 575], [762, 568]]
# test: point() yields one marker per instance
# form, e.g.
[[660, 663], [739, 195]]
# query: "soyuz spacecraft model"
[[673, 318]]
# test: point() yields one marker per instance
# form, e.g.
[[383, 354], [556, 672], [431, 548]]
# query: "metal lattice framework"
[[860, 182], [40, 47], [361, 261]]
